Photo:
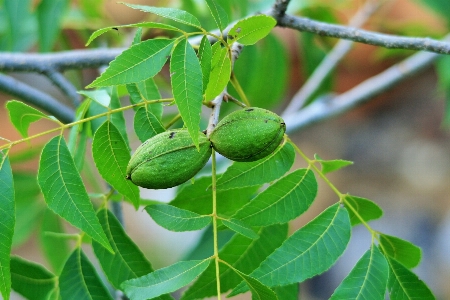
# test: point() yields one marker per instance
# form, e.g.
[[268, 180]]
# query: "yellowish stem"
[[214, 216]]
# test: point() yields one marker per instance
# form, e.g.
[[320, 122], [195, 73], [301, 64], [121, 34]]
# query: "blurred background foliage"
[[399, 142]]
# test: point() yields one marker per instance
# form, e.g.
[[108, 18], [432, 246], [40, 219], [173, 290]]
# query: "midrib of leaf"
[[174, 277], [280, 199], [34, 280], [180, 217], [115, 248], [320, 237], [109, 140], [397, 276], [371, 265]]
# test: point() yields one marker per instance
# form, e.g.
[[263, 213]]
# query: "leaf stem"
[[173, 121], [239, 89], [69, 125], [214, 216]]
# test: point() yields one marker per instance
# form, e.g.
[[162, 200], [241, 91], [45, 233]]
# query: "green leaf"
[[402, 251], [135, 64], [242, 174], [243, 254], [250, 30], [55, 249], [196, 197], [78, 136], [79, 280], [263, 72], [240, 228], [332, 165], [282, 201], [49, 15], [147, 90], [218, 13], [310, 251], [288, 292], [32, 280], [146, 124], [365, 208], [220, 73], [111, 157], [205, 56], [404, 284], [7, 222], [259, 291], [367, 280], [99, 32], [22, 31], [164, 280], [22, 115], [177, 15], [128, 261], [118, 118], [64, 191], [176, 219], [101, 96], [186, 79], [29, 208], [93, 110]]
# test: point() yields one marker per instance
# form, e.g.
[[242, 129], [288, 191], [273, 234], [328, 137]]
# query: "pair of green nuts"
[[171, 158]]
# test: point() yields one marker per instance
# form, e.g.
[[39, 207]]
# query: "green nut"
[[249, 134], [168, 159]]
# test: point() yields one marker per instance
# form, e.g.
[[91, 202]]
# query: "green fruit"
[[248, 135], [168, 159]]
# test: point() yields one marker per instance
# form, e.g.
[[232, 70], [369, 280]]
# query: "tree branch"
[[64, 85], [364, 36], [36, 97], [330, 106], [328, 64]]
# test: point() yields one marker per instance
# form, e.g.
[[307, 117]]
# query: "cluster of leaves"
[[254, 200]]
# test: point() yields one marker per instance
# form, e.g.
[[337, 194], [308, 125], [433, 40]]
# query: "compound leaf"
[[250, 30], [366, 209], [218, 13], [111, 157], [135, 64], [79, 280], [187, 87], [176, 219], [7, 222], [32, 280], [404, 284], [240, 227], [22, 115], [259, 290], [64, 190], [164, 280], [282, 201], [220, 73], [311, 250], [177, 15], [242, 174], [367, 280], [402, 251]]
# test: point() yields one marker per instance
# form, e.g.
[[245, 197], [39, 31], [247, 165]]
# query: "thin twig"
[[37, 98], [364, 36], [330, 106], [328, 64], [64, 85]]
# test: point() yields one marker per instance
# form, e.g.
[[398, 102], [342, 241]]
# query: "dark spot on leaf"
[[249, 109], [265, 121], [172, 134]]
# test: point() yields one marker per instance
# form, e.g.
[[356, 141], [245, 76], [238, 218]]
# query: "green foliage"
[[245, 209], [6, 224]]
